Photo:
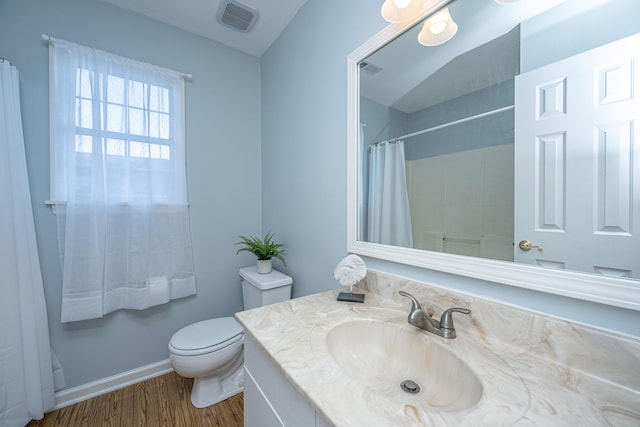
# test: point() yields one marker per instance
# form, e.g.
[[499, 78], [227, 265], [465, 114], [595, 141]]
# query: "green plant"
[[265, 248]]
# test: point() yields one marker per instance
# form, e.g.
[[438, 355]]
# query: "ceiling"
[[199, 17], [410, 77], [414, 77]]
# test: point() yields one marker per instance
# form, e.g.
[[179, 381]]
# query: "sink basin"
[[383, 356]]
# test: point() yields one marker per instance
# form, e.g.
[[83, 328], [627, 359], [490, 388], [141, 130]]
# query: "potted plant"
[[264, 249]]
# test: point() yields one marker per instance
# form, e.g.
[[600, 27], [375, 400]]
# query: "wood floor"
[[160, 401]]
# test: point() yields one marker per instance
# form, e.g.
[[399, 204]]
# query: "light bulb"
[[396, 11], [438, 27], [401, 4]]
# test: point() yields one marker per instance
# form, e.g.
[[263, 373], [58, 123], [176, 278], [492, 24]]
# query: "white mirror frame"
[[590, 287]]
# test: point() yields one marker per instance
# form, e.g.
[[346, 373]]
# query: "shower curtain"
[[26, 378], [362, 189], [389, 220]]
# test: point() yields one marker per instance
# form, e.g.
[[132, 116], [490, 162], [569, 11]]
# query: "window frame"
[[127, 138]]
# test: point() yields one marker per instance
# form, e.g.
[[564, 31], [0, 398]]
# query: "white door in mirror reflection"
[[577, 162]]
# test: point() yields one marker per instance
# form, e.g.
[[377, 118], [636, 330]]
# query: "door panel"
[[577, 157]]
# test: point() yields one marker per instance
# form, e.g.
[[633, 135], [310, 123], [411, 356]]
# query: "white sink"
[[381, 356]]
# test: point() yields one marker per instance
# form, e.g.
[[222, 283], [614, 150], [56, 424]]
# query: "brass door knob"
[[526, 245]]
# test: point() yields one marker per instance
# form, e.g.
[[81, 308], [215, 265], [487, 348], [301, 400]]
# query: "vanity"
[[314, 361], [520, 160]]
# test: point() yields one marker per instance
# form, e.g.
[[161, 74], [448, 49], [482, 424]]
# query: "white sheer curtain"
[[118, 142], [26, 378], [389, 220], [362, 188]]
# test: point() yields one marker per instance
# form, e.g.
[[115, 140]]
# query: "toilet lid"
[[207, 333]]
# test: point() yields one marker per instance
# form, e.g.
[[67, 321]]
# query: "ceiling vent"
[[237, 15], [370, 68]]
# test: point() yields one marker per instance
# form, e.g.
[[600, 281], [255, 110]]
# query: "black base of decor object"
[[350, 297]]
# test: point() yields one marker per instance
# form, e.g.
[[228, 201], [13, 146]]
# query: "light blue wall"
[[304, 130], [223, 164], [545, 40], [496, 129], [384, 122], [381, 122], [304, 134]]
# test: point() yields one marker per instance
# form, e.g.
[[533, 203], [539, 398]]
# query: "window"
[[136, 116], [118, 179], [127, 119]]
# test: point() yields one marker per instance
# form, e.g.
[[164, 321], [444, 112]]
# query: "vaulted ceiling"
[[199, 17]]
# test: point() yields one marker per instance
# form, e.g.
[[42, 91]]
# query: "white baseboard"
[[83, 392]]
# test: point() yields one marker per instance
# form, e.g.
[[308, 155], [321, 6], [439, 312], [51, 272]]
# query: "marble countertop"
[[521, 385]]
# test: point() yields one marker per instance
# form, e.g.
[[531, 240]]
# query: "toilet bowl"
[[211, 351]]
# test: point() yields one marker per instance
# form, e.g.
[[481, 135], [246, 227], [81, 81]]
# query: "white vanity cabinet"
[[269, 399]]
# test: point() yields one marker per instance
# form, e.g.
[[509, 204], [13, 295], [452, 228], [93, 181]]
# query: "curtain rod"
[[185, 76], [444, 125]]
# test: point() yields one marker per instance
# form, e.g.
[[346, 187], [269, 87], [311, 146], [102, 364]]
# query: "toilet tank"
[[263, 289]]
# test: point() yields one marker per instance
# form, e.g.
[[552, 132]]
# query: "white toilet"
[[210, 351]]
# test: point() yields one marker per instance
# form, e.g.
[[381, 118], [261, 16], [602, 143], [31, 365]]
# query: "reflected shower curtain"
[[26, 378], [362, 190], [389, 220]]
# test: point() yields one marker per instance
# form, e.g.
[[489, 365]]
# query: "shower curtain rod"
[[444, 125], [184, 76]]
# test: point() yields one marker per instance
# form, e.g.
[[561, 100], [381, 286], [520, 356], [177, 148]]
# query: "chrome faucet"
[[421, 319]]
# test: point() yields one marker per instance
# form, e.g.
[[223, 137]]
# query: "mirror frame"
[[590, 287]]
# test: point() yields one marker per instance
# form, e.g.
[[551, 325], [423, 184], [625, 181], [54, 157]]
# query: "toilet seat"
[[206, 336]]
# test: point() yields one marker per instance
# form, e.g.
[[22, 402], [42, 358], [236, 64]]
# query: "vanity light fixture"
[[438, 29], [396, 11]]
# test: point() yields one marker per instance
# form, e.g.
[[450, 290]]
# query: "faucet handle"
[[415, 305], [446, 321]]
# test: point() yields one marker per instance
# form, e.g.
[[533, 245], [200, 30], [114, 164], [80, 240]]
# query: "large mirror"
[[509, 152]]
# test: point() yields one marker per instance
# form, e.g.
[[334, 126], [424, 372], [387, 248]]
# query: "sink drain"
[[410, 386]]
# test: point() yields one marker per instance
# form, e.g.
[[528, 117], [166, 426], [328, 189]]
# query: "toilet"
[[211, 351]]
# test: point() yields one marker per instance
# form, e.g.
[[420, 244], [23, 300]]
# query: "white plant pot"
[[264, 266]]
